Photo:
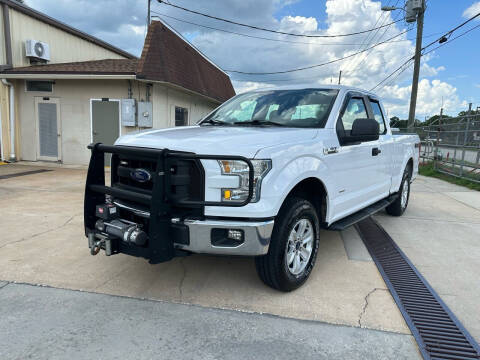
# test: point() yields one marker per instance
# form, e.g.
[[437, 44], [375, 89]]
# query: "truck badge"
[[140, 175]]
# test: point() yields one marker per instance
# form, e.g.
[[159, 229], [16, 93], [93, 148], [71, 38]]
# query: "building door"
[[49, 144], [105, 122]]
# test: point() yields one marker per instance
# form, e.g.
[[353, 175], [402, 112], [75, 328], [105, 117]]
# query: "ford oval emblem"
[[140, 175]]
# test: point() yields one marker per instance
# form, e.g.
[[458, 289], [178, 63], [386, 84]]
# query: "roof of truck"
[[315, 86]]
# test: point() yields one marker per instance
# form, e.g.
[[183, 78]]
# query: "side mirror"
[[363, 130]]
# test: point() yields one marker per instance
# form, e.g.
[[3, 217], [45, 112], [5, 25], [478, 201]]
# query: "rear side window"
[[377, 112], [355, 110]]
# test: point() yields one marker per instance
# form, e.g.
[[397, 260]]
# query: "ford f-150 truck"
[[259, 176]]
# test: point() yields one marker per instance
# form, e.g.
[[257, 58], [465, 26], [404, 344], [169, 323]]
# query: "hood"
[[217, 140]]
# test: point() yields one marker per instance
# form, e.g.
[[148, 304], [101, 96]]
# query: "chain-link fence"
[[453, 145]]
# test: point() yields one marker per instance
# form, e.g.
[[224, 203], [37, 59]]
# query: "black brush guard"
[[160, 246]]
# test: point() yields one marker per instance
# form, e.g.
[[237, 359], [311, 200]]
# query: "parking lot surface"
[[43, 243], [61, 324]]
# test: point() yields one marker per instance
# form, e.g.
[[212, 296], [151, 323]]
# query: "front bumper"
[[256, 239], [171, 186]]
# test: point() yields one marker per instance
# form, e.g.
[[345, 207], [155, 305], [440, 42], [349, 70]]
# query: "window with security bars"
[[181, 116], [42, 86]]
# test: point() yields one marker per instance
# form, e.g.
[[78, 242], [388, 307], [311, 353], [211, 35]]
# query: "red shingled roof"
[[167, 57], [100, 67]]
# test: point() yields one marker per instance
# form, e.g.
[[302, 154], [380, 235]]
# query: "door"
[[105, 122], [386, 146], [48, 128], [354, 167]]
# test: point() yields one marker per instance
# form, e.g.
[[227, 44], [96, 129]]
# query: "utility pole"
[[339, 77], [148, 16], [416, 69]]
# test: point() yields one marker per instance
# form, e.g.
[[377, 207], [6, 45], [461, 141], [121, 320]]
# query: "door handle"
[[376, 151]]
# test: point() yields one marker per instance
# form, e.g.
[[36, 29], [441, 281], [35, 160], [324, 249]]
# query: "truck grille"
[[125, 167], [185, 180]]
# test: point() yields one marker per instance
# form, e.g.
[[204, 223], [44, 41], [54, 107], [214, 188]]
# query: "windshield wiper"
[[258, 122], [213, 122]]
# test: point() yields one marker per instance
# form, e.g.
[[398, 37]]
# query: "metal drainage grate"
[[437, 331]]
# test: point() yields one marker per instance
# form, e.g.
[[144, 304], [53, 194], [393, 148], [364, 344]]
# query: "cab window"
[[355, 110], [377, 112]]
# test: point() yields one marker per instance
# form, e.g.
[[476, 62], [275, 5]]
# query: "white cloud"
[[473, 10], [121, 22], [363, 70], [298, 23], [431, 96]]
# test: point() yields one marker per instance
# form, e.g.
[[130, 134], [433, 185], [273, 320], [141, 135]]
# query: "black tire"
[[397, 208], [272, 268]]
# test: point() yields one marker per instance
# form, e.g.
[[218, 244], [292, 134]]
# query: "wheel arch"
[[407, 162], [409, 165], [312, 189]]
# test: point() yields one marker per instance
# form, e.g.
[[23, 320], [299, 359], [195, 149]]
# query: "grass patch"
[[428, 170]]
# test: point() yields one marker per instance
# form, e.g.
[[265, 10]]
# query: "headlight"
[[240, 169]]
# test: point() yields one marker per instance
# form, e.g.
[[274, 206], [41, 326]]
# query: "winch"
[[110, 227]]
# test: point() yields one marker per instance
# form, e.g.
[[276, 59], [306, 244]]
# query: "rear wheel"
[[398, 207], [293, 247]]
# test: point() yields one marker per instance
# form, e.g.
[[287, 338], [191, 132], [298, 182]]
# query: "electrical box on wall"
[[128, 112], [145, 118]]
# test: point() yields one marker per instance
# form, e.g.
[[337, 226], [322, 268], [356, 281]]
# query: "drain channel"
[[437, 331]]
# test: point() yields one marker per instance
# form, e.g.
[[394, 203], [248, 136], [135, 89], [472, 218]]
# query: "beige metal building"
[[73, 89]]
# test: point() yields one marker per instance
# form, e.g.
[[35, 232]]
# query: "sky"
[[449, 76]]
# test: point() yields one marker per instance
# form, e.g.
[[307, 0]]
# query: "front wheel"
[[293, 247], [398, 207]]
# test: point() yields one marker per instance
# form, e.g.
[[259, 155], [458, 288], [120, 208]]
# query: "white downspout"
[[12, 118], [1, 136]]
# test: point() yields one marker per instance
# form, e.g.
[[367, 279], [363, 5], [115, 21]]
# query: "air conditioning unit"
[[37, 50]]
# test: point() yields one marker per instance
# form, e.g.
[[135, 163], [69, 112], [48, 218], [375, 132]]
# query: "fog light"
[[235, 235], [227, 237]]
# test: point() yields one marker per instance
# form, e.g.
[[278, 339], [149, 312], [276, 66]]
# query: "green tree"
[[396, 122]]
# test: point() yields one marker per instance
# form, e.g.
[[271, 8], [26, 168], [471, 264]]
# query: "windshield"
[[308, 108]]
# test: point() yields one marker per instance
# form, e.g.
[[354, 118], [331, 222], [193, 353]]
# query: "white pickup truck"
[[259, 176]]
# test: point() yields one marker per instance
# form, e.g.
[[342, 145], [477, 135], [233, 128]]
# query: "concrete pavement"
[[440, 233], [65, 324], [42, 242]]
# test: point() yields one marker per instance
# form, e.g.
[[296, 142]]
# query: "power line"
[[270, 30], [366, 41], [449, 33], [370, 41], [452, 39], [435, 48], [270, 39], [389, 83], [393, 73], [309, 67], [160, 15], [317, 65]]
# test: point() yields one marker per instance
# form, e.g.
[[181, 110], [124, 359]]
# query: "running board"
[[350, 220]]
